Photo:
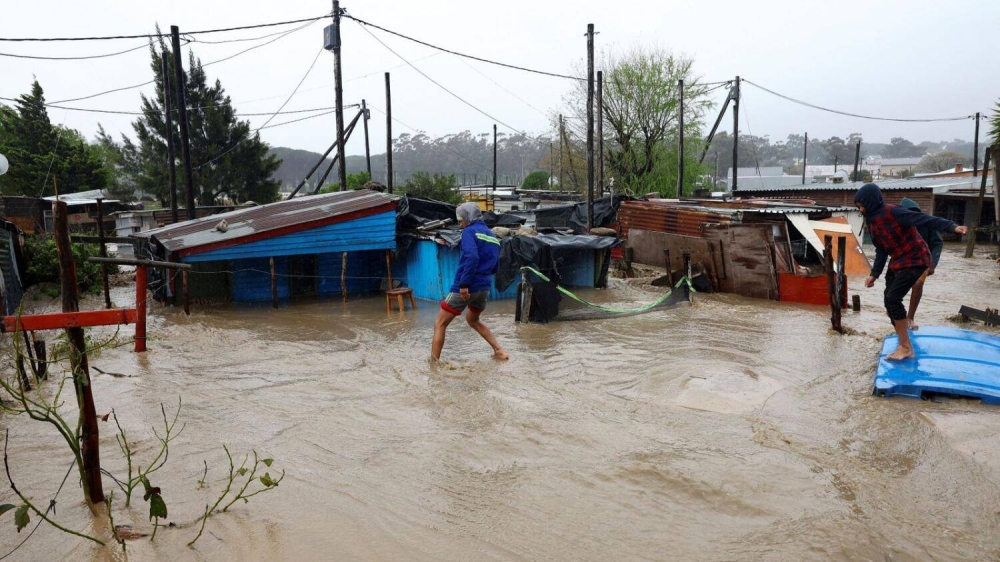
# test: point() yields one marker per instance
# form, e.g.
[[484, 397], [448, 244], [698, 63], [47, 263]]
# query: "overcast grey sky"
[[892, 58]]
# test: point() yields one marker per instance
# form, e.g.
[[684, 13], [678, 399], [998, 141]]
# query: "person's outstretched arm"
[[907, 217]]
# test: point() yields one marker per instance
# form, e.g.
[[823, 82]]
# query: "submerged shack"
[[756, 248], [429, 254], [309, 246]]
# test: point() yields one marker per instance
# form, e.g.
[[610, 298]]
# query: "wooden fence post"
[[89, 431], [141, 282], [274, 286], [831, 282]]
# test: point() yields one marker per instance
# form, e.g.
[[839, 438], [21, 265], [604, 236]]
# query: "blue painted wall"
[[250, 280], [375, 232], [430, 269], [365, 271]]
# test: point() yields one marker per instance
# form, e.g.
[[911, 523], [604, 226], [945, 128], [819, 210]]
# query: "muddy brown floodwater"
[[732, 429]]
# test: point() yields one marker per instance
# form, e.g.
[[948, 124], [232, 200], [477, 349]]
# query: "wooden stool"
[[400, 294]]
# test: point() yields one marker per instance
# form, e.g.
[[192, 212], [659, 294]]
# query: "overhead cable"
[[456, 53], [814, 106], [446, 147], [154, 35], [257, 130], [88, 57]]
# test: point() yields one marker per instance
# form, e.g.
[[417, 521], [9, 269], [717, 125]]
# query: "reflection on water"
[[728, 429]]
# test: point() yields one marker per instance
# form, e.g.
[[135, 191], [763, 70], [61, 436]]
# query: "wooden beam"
[[107, 239], [64, 320], [988, 316], [140, 263]]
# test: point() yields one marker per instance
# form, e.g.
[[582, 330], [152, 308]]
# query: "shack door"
[[302, 275]]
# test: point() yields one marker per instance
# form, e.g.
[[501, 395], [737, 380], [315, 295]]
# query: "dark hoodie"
[[931, 236], [870, 196]]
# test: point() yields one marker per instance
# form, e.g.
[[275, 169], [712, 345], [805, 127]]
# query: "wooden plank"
[[648, 248], [63, 320], [746, 259], [987, 316]]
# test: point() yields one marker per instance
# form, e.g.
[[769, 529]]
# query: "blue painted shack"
[[319, 245], [429, 265]]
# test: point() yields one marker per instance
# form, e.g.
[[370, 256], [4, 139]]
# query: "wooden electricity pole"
[[736, 132], [805, 158], [857, 161], [494, 162], [562, 134], [182, 120], [388, 134], [975, 152], [590, 125], [970, 246], [680, 138], [600, 132], [368, 153], [338, 89]]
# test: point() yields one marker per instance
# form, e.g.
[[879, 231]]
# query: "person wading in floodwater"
[[480, 261], [894, 233]]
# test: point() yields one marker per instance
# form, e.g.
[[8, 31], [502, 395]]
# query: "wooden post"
[[670, 269], [736, 133], [831, 282], [184, 289], [274, 286], [680, 138], [388, 267], [857, 162], [141, 281], [488, 206], [841, 273], [343, 276], [975, 152], [805, 158], [600, 133], [102, 251], [856, 303], [590, 126], [89, 431], [338, 89], [526, 295], [562, 133], [970, 246], [995, 149], [182, 120], [388, 135], [368, 152]]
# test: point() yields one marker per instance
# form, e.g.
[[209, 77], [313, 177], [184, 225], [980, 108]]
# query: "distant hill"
[[295, 164]]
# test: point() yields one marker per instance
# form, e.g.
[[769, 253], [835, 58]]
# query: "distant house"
[[829, 173], [318, 245], [765, 177], [34, 214], [959, 171], [887, 168]]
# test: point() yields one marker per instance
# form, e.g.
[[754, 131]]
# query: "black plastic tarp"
[[575, 216], [545, 253], [414, 212]]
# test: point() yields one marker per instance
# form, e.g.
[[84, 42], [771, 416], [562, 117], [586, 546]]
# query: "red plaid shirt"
[[903, 243]]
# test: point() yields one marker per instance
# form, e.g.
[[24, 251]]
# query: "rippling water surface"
[[729, 429]]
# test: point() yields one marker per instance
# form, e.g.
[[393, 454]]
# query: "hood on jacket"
[[908, 203], [468, 212], [871, 197]]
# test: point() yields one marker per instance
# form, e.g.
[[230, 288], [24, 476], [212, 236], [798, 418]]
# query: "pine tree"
[[227, 160], [40, 153]]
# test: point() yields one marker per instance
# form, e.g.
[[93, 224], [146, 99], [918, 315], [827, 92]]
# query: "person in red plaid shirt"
[[894, 233]]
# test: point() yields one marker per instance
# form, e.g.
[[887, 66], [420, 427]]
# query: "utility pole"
[[805, 158], [339, 94], [836, 159], [368, 153], [182, 120], [857, 160], [736, 132], [680, 138], [600, 131], [590, 125], [562, 133], [494, 160], [552, 164], [975, 152], [388, 134], [168, 121]]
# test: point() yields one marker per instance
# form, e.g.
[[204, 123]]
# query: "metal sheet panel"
[[250, 280], [365, 272], [375, 232], [281, 216]]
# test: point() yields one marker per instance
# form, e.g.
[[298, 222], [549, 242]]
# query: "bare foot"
[[900, 354], [501, 355], [912, 325]]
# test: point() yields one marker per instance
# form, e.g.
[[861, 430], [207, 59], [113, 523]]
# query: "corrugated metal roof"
[[885, 185], [265, 218]]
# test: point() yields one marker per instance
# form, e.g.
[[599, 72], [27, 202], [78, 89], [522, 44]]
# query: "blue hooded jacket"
[[480, 259], [870, 196]]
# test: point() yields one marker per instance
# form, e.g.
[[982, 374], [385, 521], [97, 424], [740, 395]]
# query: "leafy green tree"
[[538, 179], [902, 148], [228, 159], [640, 117], [40, 152], [356, 180], [941, 161], [862, 175], [435, 187]]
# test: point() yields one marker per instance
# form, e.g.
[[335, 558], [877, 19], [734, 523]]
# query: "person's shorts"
[[454, 303]]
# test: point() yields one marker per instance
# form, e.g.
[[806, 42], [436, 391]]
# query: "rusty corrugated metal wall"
[[662, 217]]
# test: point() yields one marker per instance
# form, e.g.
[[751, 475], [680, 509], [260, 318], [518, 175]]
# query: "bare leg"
[[440, 326], [905, 350], [472, 317], [915, 293]]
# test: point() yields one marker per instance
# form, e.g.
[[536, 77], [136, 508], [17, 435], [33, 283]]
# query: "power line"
[[155, 35], [120, 112], [203, 65], [439, 85], [814, 106], [253, 134], [89, 57], [504, 89], [480, 59]]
